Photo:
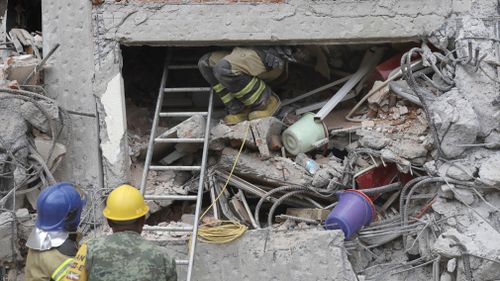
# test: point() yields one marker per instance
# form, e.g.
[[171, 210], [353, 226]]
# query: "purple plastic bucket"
[[354, 210]]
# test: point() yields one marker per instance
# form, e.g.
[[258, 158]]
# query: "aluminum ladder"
[[202, 168]]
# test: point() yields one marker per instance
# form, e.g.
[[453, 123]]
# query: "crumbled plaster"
[[113, 101], [114, 142]]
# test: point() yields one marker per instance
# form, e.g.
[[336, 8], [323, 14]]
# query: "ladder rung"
[[184, 90], [187, 66], [171, 197], [175, 168], [168, 228], [179, 140], [181, 262], [182, 114]]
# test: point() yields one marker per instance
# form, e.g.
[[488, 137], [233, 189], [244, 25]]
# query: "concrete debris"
[[32, 144], [373, 139], [276, 171], [10, 246], [166, 236], [488, 172], [161, 183], [456, 122], [19, 68]]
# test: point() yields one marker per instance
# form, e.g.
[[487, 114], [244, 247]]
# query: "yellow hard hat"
[[125, 203]]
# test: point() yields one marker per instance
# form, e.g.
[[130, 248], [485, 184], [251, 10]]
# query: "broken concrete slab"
[[259, 137], [263, 130], [37, 118], [410, 149], [276, 255], [372, 139], [7, 250], [276, 171], [488, 172], [475, 226], [493, 139], [221, 135], [456, 122], [20, 67]]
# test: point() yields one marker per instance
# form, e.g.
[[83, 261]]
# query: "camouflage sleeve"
[[170, 268], [78, 271]]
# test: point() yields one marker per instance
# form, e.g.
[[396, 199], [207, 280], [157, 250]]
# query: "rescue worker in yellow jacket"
[[123, 255], [53, 243], [241, 77]]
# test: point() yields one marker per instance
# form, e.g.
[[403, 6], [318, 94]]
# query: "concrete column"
[[69, 77]]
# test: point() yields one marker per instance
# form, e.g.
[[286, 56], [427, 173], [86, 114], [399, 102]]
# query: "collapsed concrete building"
[[429, 138]]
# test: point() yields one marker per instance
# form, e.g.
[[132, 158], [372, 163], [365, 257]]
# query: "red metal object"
[[385, 68], [380, 176]]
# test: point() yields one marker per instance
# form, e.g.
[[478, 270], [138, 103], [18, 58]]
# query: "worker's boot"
[[266, 108], [237, 112], [235, 118]]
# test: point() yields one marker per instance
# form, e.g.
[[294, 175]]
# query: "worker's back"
[[127, 256]]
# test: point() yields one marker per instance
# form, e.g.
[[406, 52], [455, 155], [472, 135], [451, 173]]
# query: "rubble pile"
[[399, 163], [32, 140]]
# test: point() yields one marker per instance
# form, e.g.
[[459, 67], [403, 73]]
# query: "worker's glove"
[[275, 57], [273, 61]]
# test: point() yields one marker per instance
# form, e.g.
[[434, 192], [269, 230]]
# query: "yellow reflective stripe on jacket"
[[255, 95], [78, 271], [247, 88], [217, 88], [227, 98], [61, 270]]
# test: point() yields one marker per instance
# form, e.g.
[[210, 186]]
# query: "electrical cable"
[[223, 231], [278, 202], [269, 193]]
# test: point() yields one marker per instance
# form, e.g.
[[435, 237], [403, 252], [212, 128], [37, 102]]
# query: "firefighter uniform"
[[240, 78]]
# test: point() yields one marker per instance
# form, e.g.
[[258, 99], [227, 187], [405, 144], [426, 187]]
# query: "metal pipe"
[[185, 90], [298, 219], [241, 195], [315, 91], [41, 63], [382, 189], [213, 196], [371, 58], [400, 91]]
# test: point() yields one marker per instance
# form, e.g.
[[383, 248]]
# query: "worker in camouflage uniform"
[[53, 242], [123, 255], [241, 78]]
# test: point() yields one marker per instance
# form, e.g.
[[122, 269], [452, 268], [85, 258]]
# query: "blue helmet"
[[59, 208]]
